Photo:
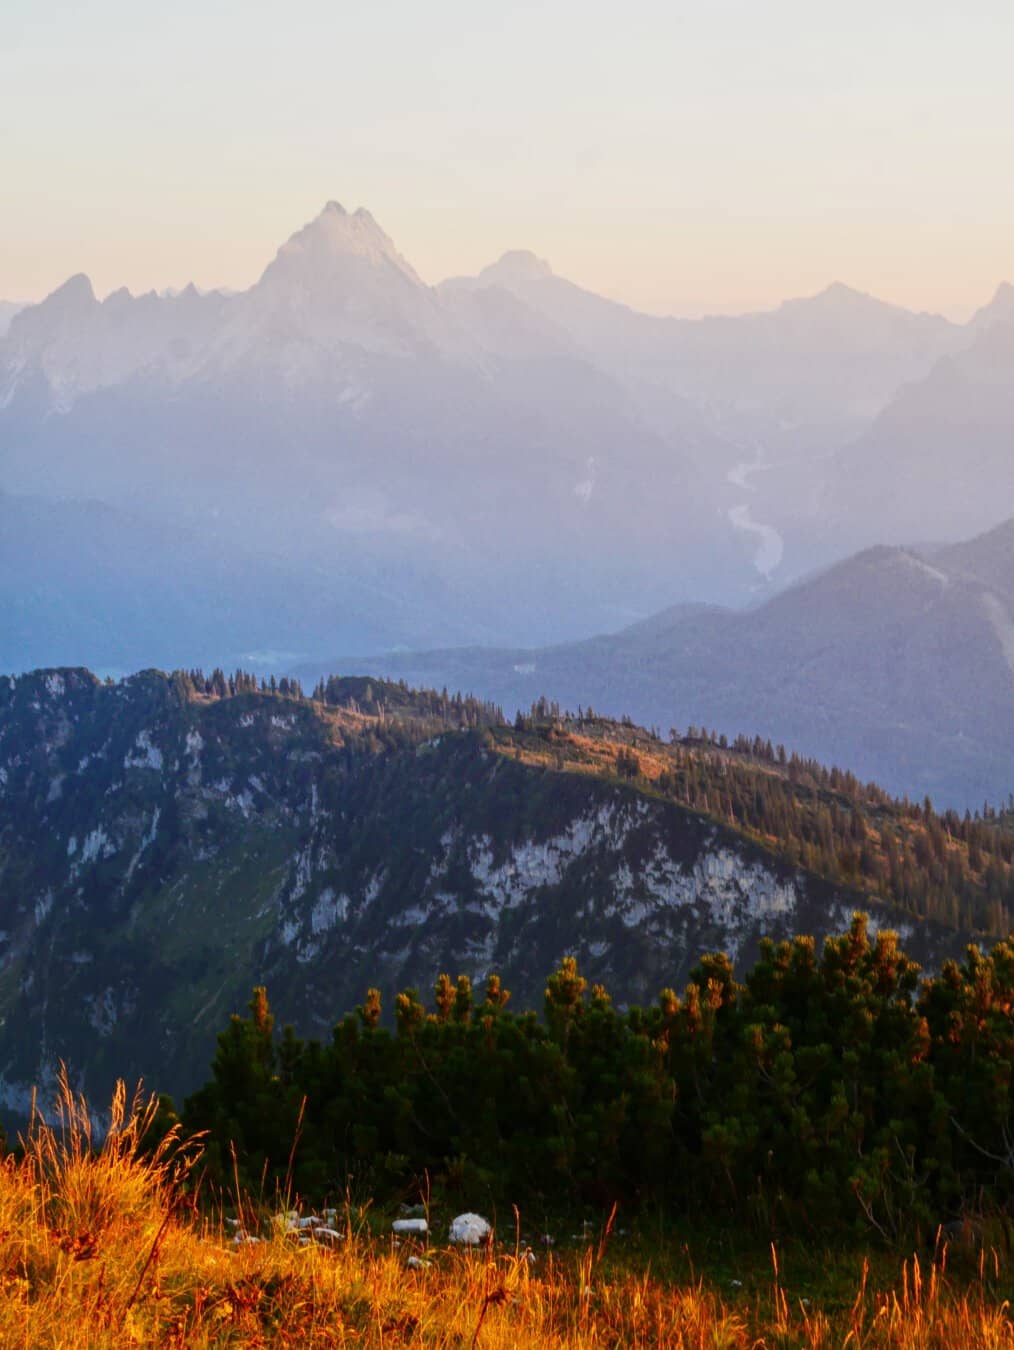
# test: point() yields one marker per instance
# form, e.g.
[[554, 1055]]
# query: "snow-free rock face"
[[160, 854]]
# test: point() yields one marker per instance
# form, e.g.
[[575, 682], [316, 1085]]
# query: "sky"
[[705, 157]]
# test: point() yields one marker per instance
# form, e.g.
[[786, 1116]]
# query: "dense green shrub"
[[829, 1091]]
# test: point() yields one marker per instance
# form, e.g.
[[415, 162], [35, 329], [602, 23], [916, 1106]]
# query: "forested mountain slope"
[[167, 842]]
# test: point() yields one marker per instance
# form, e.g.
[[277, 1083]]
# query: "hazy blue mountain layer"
[[896, 663], [501, 459]]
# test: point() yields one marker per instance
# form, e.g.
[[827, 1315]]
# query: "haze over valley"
[[897, 663], [343, 463]]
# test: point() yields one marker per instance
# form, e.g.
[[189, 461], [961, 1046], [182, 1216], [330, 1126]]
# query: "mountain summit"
[[70, 303], [999, 310], [516, 266], [335, 241], [339, 284]]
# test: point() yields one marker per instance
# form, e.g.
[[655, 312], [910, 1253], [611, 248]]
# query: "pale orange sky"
[[719, 159]]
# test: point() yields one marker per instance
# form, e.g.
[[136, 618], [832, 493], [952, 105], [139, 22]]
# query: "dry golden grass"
[[101, 1248]]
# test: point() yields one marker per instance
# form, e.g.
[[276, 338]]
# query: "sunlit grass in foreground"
[[103, 1247]]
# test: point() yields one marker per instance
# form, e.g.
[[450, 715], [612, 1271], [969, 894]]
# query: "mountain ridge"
[[168, 841], [895, 661], [534, 460]]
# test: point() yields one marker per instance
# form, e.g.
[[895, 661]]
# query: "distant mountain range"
[[343, 460], [506, 458], [345, 414], [165, 844], [897, 664], [800, 379]]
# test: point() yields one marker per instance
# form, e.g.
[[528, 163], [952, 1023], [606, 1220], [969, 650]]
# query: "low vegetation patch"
[[110, 1245], [831, 1096]]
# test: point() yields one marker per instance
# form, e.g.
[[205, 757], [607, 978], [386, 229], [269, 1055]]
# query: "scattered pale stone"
[[470, 1230], [417, 1227]]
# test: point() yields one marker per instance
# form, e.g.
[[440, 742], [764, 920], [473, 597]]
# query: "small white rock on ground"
[[409, 1226], [470, 1230]]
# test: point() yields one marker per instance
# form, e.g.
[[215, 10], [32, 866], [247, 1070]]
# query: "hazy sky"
[[717, 155]]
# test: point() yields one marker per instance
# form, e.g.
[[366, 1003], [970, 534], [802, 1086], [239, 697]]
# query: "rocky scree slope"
[[161, 851]]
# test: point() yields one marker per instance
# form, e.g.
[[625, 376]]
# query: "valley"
[[771, 546]]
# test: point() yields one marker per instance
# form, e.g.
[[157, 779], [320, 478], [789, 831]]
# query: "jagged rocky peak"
[[73, 300], [515, 267], [836, 299], [999, 310], [839, 291], [120, 299], [76, 292], [335, 242]]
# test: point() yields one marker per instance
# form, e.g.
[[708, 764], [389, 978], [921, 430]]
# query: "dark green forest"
[[828, 1092]]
